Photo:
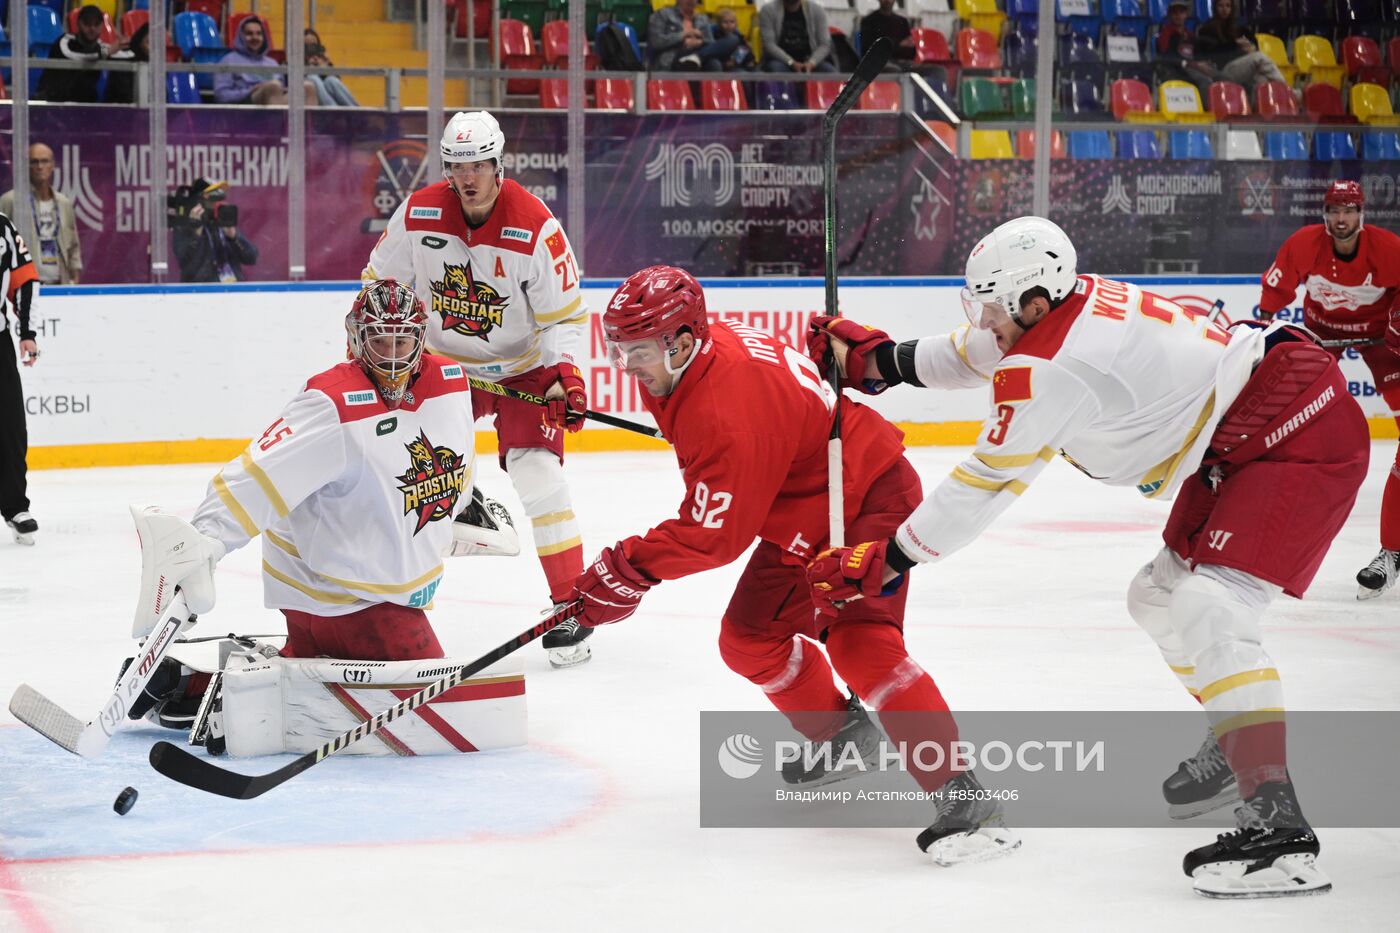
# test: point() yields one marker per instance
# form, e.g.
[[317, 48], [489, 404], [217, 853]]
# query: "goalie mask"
[[386, 326], [647, 314], [1019, 255]]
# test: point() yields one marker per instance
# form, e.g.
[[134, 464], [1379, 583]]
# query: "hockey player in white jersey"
[[1252, 431], [354, 488], [498, 276]]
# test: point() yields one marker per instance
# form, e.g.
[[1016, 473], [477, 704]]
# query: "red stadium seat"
[[722, 95], [978, 49], [1362, 56], [481, 23], [820, 94], [614, 94], [1128, 95], [1323, 103], [1392, 49], [554, 94], [669, 94], [881, 95], [931, 48], [132, 21], [1025, 144], [214, 9], [554, 41], [1275, 99], [518, 53], [1227, 100]]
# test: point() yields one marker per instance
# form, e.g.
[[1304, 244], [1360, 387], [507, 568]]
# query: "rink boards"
[[182, 374]]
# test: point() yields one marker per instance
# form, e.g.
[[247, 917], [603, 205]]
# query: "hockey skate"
[[1272, 854], [826, 762], [1379, 575], [1202, 783], [23, 526], [566, 644], [163, 700], [970, 825]]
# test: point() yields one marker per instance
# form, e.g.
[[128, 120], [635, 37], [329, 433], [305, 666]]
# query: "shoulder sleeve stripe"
[[240, 514], [283, 543], [265, 483], [554, 317], [1015, 486], [1007, 461]]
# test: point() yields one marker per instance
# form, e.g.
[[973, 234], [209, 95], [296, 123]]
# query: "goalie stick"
[[201, 774], [70, 733], [1353, 342], [871, 64], [598, 416]]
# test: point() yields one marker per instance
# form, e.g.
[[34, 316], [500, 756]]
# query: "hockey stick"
[[871, 64], [1353, 342], [70, 733], [188, 769], [507, 392]]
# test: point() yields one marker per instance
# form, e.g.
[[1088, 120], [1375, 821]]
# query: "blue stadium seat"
[[1290, 144], [1157, 10], [1126, 18], [1138, 144], [1333, 145], [45, 28], [59, 7], [1024, 15], [1090, 25], [1082, 96], [777, 95], [1189, 144], [1380, 145], [181, 88], [1090, 144], [1018, 52], [198, 37]]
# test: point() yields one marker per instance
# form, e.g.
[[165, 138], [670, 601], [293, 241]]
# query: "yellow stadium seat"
[[983, 15], [1371, 104], [992, 144], [1181, 103], [1273, 47], [1317, 60]]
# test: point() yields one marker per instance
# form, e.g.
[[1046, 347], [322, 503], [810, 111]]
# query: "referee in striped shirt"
[[19, 282]]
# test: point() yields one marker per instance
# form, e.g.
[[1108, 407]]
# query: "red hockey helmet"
[[1345, 193], [386, 326], [658, 301]]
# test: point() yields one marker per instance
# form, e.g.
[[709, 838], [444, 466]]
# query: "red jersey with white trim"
[[749, 421], [355, 499], [1125, 384], [1344, 296], [502, 298]]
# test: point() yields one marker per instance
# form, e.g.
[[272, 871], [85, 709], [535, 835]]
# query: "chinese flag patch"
[[555, 242], [1011, 385]]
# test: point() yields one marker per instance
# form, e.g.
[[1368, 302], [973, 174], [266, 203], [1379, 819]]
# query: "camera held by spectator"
[[201, 204], [208, 246]]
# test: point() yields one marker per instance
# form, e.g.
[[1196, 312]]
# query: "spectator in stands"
[[1176, 51], [886, 23], [330, 90], [726, 25], [121, 85], [250, 48], [1231, 50], [795, 37], [680, 38], [208, 246], [85, 45], [52, 230]]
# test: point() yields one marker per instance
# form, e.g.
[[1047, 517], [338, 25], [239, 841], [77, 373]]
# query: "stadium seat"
[[1090, 144], [1126, 18], [1311, 16], [554, 94], [1025, 145], [1081, 96], [44, 30], [1371, 104], [133, 20], [1087, 23], [1316, 60], [532, 12], [978, 49], [1268, 15], [1018, 52], [930, 47], [614, 93], [554, 42], [1273, 47], [1377, 146], [1242, 145], [1023, 99], [1360, 18], [1331, 145], [777, 95], [1323, 104], [1181, 103], [1128, 96], [181, 88], [1289, 145], [1362, 58], [1023, 15], [628, 31], [197, 36], [820, 94], [981, 14], [1138, 144], [1189, 144], [214, 9], [724, 94], [881, 95], [991, 144], [984, 99], [1080, 49], [1228, 100], [1392, 51], [108, 35], [519, 53], [480, 18], [669, 94], [1275, 99]]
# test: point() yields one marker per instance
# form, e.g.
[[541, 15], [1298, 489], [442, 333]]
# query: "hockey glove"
[[566, 411], [610, 589], [844, 573], [861, 343]]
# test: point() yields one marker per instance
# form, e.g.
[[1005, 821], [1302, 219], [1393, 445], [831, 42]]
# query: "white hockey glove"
[[484, 528], [173, 553]]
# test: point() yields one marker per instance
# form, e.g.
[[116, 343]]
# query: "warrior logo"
[[468, 307], [436, 477]]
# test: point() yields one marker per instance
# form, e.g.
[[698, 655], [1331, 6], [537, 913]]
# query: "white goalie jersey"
[[503, 298], [355, 500], [1124, 384]]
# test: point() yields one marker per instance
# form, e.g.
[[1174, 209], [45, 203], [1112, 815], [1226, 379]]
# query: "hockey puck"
[[125, 801]]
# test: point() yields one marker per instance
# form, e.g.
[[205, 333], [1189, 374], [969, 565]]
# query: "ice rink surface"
[[595, 825]]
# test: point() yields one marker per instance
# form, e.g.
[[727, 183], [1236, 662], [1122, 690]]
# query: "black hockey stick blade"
[[201, 774], [871, 64]]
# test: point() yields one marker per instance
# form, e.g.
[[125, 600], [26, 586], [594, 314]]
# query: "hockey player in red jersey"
[[496, 271], [1351, 276], [749, 419], [1251, 431]]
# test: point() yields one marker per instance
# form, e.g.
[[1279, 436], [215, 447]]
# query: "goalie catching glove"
[[860, 341], [611, 589], [841, 574], [484, 528], [173, 554], [566, 410]]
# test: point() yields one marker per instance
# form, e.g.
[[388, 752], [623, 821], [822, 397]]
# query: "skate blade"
[[570, 656], [1288, 876], [985, 844], [1189, 811], [1364, 593], [26, 540]]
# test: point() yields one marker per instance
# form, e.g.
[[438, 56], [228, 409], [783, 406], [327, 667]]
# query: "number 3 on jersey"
[[703, 513], [998, 432]]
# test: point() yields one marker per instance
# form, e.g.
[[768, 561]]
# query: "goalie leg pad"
[[296, 705]]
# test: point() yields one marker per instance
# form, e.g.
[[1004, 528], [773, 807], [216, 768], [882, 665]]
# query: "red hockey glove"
[[845, 573], [610, 589], [861, 342], [567, 412], [1266, 316]]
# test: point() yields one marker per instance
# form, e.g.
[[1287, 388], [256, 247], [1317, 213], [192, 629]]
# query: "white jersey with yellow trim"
[[355, 499], [1125, 384], [503, 298]]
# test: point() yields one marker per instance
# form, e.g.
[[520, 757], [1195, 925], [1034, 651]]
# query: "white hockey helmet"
[[1012, 259], [474, 137]]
